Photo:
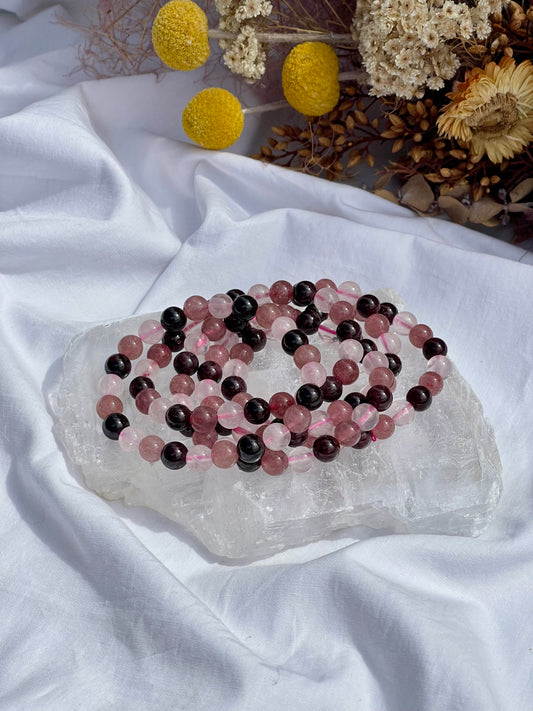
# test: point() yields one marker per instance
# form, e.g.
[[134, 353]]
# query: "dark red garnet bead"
[[433, 347], [118, 364], [419, 397], [380, 397], [326, 448]]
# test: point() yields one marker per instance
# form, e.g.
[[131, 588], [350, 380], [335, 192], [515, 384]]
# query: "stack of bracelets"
[[215, 340]]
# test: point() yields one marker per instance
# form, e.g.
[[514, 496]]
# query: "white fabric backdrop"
[[106, 212]]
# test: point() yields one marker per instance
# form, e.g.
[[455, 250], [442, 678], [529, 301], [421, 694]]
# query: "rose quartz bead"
[[441, 365], [181, 384], [146, 368], [375, 359], [349, 291], [244, 429], [229, 340], [301, 459], [325, 298], [339, 411], [321, 424], [384, 428], [203, 419], [145, 398], [130, 438], [224, 454], [382, 376], [181, 399], [365, 416], [196, 343], [220, 305], [218, 353], [376, 324], [267, 314], [388, 343], [198, 458], [314, 373], [419, 334], [213, 401], [432, 381], [241, 351], [346, 370], [297, 418], [341, 311], [259, 292], [347, 434], [206, 438], [160, 353], [403, 322], [158, 409], [230, 415], [130, 346], [110, 385], [351, 349], [214, 328], [241, 398], [206, 388], [235, 367], [107, 405], [309, 442], [306, 354], [279, 402], [276, 436], [402, 412], [327, 331], [281, 292], [192, 327], [150, 331], [289, 311], [274, 462], [150, 448], [196, 308], [280, 327]]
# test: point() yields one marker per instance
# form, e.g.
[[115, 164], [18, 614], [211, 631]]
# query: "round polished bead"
[[255, 338], [289, 312], [365, 416], [380, 397], [110, 385], [206, 388], [130, 438], [220, 305], [240, 351], [434, 347], [368, 345], [281, 292], [402, 412], [203, 419], [327, 332], [348, 329], [384, 428], [279, 402], [157, 409], [388, 343], [310, 396], [349, 291], [118, 364], [376, 324], [113, 425], [274, 462], [267, 314], [174, 340], [339, 411], [364, 441], [375, 359], [224, 454], [218, 354], [257, 411], [150, 331], [140, 383], [196, 308], [331, 389], [160, 354], [213, 401], [346, 370], [214, 328], [281, 326], [297, 418], [145, 398], [235, 323], [173, 318], [130, 346], [250, 448], [198, 458], [419, 397], [395, 364], [354, 399], [351, 349], [146, 368], [230, 415], [210, 370], [382, 376], [303, 293], [308, 322], [245, 307], [150, 448], [181, 384], [321, 424], [292, 340], [419, 334], [298, 438], [325, 297], [403, 322], [248, 466], [326, 448], [347, 433], [367, 305], [174, 455], [108, 404], [341, 311], [186, 363], [206, 438], [241, 398], [223, 431], [306, 354], [441, 365], [301, 459], [232, 385], [182, 399], [234, 293], [259, 292], [196, 343], [325, 282], [178, 417], [388, 310], [276, 436], [432, 381], [314, 373]]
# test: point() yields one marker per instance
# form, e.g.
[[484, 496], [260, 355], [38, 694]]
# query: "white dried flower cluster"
[[243, 55], [405, 44]]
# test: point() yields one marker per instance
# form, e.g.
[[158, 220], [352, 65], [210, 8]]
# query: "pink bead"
[[325, 298], [301, 459], [267, 314], [181, 399], [213, 401], [203, 419], [160, 353], [322, 283], [260, 292], [327, 331], [130, 438], [403, 322], [402, 412], [206, 438], [244, 429], [192, 327], [384, 428], [314, 373], [107, 405], [145, 398], [297, 418], [351, 349], [274, 463], [196, 343], [198, 458], [346, 370], [158, 409], [279, 402], [388, 343], [321, 424], [146, 368], [339, 411], [181, 384], [347, 434], [230, 415], [224, 454], [235, 367], [130, 346], [220, 305], [206, 388], [441, 365], [349, 291], [110, 385], [214, 328], [229, 340], [241, 398], [341, 311], [196, 308], [306, 354], [375, 359], [432, 381], [241, 351], [218, 353], [281, 292], [419, 334], [280, 327], [376, 324], [151, 331], [383, 376], [365, 416], [289, 311], [276, 436], [150, 448]]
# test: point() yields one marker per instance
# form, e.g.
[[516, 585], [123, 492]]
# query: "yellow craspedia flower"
[[213, 118], [310, 78], [179, 35]]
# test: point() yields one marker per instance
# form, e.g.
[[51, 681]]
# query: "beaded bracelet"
[[228, 329]]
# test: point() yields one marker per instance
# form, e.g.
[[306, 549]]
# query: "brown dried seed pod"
[[361, 117], [266, 150], [278, 130], [350, 122]]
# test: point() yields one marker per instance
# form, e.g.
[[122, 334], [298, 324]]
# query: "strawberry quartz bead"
[[382, 376], [347, 433], [432, 381], [241, 398], [107, 405], [130, 346], [240, 351], [212, 401], [419, 334], [150, 448], [182, 384], [297, 418], [281, 292], [339, 411], [224, 454], [267, 314], [196, 308], [376, 324], [274, 462], [144, 399], [151, 331], [385, 427], [341, 311], [160, 353], [206, 438], [203, 419], [214, 328], [220, 305], [280, 402], [322, 283], [219, 354], [306, 354], [289, 312], [346, 370]]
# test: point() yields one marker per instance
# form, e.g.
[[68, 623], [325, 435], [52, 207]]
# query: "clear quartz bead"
[[321, 424], [276, 436], [441, 365], [199, 458], [327, 331], [402, 412], [301, 459], [365, 416], [403, 322]]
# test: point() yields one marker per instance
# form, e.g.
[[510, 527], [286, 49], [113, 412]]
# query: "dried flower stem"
[[286, 37]]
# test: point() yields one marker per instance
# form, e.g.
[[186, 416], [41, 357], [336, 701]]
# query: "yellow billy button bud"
[[213, 118], [310, 78], [179, 35]]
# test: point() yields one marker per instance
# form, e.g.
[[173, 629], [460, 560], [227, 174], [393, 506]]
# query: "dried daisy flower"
[[492, 111], [310, 78]]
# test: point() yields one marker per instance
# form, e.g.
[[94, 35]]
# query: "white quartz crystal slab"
[[440, 474]]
